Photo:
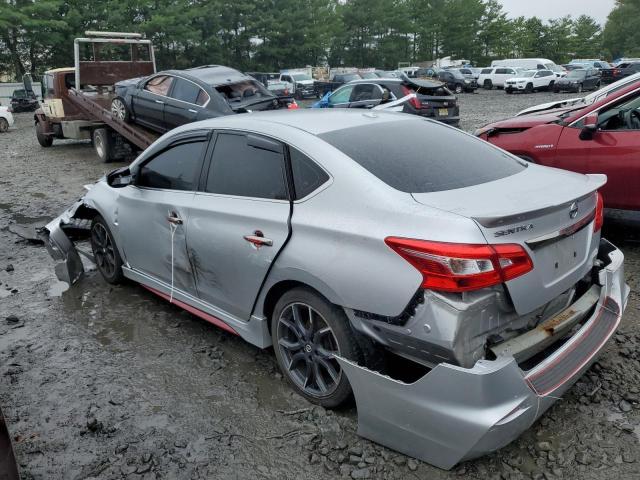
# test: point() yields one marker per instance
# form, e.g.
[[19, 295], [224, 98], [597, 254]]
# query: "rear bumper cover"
[[454, 414]]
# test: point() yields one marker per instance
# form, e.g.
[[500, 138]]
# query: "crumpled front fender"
[[69, 267]]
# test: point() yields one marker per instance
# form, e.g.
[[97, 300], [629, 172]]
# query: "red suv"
[[601, 138]]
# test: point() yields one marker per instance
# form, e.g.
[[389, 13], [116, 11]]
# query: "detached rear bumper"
[[454, 414]]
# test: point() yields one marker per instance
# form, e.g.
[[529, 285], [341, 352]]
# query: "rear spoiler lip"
[[595, 181]]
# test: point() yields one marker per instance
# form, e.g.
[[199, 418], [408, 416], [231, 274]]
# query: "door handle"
[[160, 102], [174, 218], [258, 240]]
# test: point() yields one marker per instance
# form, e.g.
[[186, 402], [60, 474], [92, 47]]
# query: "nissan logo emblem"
[[573, 210]]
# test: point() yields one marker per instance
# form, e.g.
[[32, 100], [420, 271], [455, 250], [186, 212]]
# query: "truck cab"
[[303, 84]]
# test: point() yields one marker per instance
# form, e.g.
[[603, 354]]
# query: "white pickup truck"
[[530, 81], [496, 76], [303, 84]]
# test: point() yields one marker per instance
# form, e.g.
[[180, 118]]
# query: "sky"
[[547, 9]]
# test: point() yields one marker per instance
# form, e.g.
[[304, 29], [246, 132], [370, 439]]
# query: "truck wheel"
[[119, 109], [488, 85], [102, 143], [4, 125], [44, 140]]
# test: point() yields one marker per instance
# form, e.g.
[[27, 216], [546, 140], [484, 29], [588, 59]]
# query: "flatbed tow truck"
[[76, 100]]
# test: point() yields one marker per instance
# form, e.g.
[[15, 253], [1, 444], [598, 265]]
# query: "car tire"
[[105, 251], [508, 90], [551, 84], [4, 125], [580, 88], [598, 85], [488, 85], [304, 354], [528, 88], [120, 110], [458, 90], [103, 144], [556, 90], [44, 140]]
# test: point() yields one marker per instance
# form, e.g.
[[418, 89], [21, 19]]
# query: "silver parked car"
[[348, 240]]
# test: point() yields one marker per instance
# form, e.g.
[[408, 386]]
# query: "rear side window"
[[242, 170], [307, 176], [186, 91], [174, 169], [502, 71], [486, 71], [418, 156]]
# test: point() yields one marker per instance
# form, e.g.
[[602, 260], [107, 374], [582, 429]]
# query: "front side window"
[[173, 169], [159, 85], [486, 71], [242, 170], [342, 95]]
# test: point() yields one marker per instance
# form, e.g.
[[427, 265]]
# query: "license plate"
[[443, 112]]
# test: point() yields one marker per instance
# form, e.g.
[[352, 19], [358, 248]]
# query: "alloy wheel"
[[118, 109], [103, 250], [308, 346]]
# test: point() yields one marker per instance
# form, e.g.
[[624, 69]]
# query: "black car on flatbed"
[[433, 99], [171, 98]]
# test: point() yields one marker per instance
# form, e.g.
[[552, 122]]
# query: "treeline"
[[273, 34]]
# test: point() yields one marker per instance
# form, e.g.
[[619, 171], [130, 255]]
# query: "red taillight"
[[599, 220], [414, 101], [459, 267]]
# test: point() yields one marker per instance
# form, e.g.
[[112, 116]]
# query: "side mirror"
[[590, 127], [121, 177]]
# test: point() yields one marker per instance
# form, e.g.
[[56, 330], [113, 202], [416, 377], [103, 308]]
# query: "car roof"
[[213, 74], [313, 121]]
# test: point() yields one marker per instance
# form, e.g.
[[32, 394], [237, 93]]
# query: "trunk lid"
[[547, 211]]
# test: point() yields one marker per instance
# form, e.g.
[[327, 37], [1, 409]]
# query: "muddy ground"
[[112, 382]]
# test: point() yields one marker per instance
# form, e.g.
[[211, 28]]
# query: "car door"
[[152, 214], [149, 100], [613, 150], [185, 103], [341, 97], [239, 220], [365, 95]]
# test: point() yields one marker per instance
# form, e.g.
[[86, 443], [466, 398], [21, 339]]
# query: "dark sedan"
[[578, 81], [171, 98], [433, 99], [23, 101]]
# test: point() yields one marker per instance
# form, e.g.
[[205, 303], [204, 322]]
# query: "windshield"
[[350, 76], [457, 74], [298, 77], [576, 74]]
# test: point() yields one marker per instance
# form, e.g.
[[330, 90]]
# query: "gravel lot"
[[111, 382]]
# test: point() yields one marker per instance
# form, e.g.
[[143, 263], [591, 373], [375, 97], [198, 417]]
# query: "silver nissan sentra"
[[349, 240]]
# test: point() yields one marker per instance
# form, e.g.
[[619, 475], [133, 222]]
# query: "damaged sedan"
[[453, 289]]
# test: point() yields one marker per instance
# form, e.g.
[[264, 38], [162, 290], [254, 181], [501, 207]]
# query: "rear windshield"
[[419, 156], [246, 91]]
